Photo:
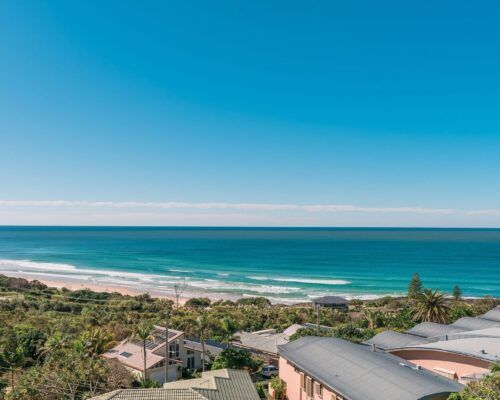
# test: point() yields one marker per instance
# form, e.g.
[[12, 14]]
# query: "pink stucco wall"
[[292, 379], [429, 359]]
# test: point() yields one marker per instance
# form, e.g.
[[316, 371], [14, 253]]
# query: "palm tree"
[[142, 333], [96, 341], [431, 306], [57, 341], [202, 325], [229, 328], [496, 366], [373, 318]]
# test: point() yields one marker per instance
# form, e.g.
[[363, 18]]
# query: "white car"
[[269, 371]]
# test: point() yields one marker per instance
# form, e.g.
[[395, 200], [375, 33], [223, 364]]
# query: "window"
[[126, 354], [309, 387], [318, 389], [174, 349], [302, 381]]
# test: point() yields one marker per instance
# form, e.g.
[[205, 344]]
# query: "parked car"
[[269, 371]]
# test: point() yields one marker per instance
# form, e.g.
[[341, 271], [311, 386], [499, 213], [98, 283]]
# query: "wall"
[[429, 359], [292, 378], [158, 374]]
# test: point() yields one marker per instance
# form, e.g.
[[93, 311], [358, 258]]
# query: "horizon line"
[[250, 227]]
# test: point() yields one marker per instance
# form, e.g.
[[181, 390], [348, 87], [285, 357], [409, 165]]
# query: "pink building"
[[459, 359], [462, 351], [316, 368]]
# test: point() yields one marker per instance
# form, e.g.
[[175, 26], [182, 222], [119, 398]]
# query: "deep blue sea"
[[285, 264]]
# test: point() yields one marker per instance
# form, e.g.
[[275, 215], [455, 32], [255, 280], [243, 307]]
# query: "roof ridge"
[[115, 393], [193, 390]]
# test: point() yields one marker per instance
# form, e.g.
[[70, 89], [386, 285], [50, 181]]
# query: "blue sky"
[[390, 108]]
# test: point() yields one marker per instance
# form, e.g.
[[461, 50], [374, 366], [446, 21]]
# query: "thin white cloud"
[[309, 208]]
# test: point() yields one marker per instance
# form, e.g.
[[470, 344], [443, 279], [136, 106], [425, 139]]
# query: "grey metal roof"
[[471, 323], [494, 314], [334, 300], [224, 384], [432, 329], [211, 346], [389, 340], [483, 348], [488, 332], [357, 373]]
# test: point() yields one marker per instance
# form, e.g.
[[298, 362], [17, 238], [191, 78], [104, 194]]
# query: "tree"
[[415, 287], [56, 341], [96, 341], [431, 306], [142, 333], [198, 302], [229, 328], [352, 333], [495, 368], [201, 327], [457, 293], [485, 389], [374, 318], [279, 388], [236, 359], [459, 310], [254, 301], [178, 290], [12, 353]]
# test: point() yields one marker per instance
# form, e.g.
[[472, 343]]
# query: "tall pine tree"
[[415, 287]]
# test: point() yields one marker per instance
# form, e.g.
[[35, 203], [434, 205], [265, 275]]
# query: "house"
[[130, 354], [194, 351], [265, 343], [328, 368], [331, 302], [462, 351], [222, 384]]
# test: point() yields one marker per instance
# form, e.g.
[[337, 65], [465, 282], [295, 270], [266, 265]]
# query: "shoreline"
[[129, 290], [275, 289]]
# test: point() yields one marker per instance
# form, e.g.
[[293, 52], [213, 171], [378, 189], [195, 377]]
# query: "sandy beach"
[[79, 285]]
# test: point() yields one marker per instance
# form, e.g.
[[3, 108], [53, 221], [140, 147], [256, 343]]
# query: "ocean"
[[283, 264]]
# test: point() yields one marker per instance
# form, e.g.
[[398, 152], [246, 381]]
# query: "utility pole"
[[317, 319], [167, 349]]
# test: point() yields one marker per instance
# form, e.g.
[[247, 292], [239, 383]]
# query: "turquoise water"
[[286, 264]]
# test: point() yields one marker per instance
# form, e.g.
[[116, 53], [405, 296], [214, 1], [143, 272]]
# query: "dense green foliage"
[[51, 340], [236, 359], [279, 387], [485, 389]]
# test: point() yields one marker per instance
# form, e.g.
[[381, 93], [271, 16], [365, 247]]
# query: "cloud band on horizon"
[[310, 208]]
